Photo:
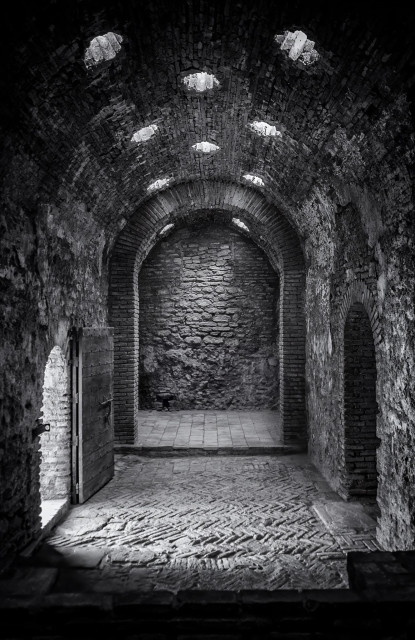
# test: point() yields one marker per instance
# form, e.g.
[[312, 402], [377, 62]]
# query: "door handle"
[[105, 403], [41, 427]]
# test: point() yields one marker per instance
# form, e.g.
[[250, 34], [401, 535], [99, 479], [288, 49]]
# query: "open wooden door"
[[92, 414]]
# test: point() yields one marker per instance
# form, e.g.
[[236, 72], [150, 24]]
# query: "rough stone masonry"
[[209, 322]]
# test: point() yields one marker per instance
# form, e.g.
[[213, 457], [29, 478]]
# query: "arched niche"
[[359, 323], [273, 233]]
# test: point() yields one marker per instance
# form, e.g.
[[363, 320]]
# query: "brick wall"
[[360, 403], [209, 322]]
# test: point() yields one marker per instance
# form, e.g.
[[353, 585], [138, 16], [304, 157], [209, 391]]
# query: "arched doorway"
[[273, 233], [55, 444], [360, 406]]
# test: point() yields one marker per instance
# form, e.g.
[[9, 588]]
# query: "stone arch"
[[55, 444], [274, 234], [360, 331]]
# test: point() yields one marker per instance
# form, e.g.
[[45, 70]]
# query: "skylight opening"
[[205, 147], [145, 133], [240, 224], [264, 129], [158, 184], [200, 82], [102, 48], [165, 229], [298, 46], [256, 180]]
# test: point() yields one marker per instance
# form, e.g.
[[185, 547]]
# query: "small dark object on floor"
[[164, 397]]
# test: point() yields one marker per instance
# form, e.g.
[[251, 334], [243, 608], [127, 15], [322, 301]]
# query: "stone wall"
[[53, 276], [209, 322], [342, 262], [366, 259]]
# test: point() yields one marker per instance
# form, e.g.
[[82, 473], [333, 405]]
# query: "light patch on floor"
[[52, 511]]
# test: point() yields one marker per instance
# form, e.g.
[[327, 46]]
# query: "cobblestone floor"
[[209, 429], [222, 522]]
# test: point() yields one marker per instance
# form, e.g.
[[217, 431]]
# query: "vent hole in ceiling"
[[166, 229], [298, 47], [256, 180], [205, 147], [264, 129], [145, 133], [102, 48], [158, 184], [200, 81], [240, 224]]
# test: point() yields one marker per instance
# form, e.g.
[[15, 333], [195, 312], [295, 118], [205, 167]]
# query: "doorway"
[[55, 444]]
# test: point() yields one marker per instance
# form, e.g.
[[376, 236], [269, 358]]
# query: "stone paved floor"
[[209, 429], [222, 522]]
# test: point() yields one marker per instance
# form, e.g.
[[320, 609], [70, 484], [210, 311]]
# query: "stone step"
[[171, 451]]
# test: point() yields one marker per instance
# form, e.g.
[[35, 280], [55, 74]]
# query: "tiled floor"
[[209, 429]]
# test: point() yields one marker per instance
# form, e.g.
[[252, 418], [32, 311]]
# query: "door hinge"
[[76, 398], [77, 487], [76, 443]]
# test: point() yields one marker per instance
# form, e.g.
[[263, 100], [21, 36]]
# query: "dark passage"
[[360, 402]]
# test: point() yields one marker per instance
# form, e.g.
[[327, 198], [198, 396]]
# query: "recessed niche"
[[240, 224], [200, 82], [264, 129], [144, 134], [102, 48], [298, 47], [256, 180], [205, 147], [158, 184]]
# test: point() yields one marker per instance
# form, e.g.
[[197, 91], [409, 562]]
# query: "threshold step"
[[166, 451]]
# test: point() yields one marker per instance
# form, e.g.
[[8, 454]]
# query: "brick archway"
[[272, 232], [360, 330]]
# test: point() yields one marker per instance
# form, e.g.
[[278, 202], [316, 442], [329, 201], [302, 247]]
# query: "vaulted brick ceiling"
[[337, 117]]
